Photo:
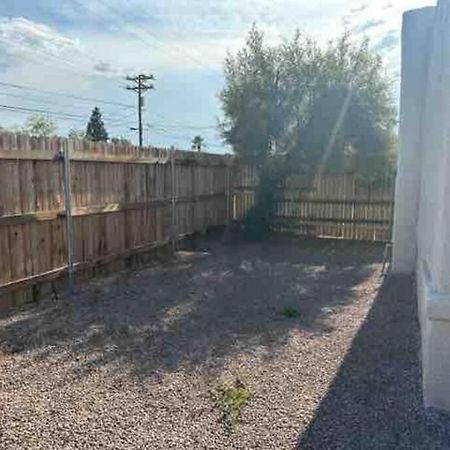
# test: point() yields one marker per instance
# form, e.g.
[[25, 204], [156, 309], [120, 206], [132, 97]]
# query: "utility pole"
[[140, 85]]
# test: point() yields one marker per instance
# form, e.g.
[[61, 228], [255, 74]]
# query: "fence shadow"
[[375, 400], [215, 302]]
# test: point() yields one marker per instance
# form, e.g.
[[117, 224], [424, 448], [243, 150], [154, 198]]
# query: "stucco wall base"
[[434, 315]]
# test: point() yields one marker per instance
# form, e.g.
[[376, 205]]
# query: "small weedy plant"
[[230, 395], [290, 313]]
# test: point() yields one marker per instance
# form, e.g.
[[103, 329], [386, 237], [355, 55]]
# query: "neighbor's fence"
[[124, 201], [335, 206]]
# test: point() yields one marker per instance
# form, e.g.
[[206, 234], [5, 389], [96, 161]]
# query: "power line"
[[40, 101], [41, 111], [58, 114], [62, 118], [64, 94], [31, 99], [143, 36], [119, 120], [113, 120]]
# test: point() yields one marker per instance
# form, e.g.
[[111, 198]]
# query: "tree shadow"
[[375, 400], [211, 304]]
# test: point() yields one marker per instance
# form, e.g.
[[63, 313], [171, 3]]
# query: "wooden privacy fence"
[[124, 201], [334, 206]]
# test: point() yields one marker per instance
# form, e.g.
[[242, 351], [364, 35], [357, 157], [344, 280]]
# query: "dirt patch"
[[129, 362]]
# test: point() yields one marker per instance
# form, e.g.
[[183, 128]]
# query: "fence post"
[[229, 183], [173, 193], [69, 222]]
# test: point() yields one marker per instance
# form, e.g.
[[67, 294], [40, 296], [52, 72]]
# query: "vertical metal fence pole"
[[173, 188], [69, 222]]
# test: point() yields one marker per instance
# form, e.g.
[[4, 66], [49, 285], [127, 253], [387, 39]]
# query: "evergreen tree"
[[95, 130]]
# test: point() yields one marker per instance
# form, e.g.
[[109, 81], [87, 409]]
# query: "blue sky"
[[86, 48]]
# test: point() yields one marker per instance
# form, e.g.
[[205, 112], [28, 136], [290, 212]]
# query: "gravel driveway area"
[[329, 354]]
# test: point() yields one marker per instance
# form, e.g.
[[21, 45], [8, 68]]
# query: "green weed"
[[230, 395], [290, 313]]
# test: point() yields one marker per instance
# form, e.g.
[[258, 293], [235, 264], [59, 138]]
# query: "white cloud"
[[370, 24], [106, 68], [39, 43], [19, 34], [389, 42]]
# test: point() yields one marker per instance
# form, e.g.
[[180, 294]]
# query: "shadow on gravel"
[[212, 303], [375, 400]]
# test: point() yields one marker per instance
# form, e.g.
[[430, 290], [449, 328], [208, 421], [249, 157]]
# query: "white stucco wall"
[[434, 209], [415, 42], [422, 219]]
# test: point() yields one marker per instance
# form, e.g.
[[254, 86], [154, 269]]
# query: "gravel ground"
[[128, 363]]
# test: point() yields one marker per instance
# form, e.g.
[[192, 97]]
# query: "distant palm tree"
[[198, 143]]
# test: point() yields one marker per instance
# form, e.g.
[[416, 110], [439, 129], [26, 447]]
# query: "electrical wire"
[[41, 111], [61, 118], [40, 101], [63, 94], [112, 120], [80, 119]]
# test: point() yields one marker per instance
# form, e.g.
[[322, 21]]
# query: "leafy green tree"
[[325, 109], [95, 130], [120, 141], [249, 98], [76, 134], [198, 143], [40, 126]]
